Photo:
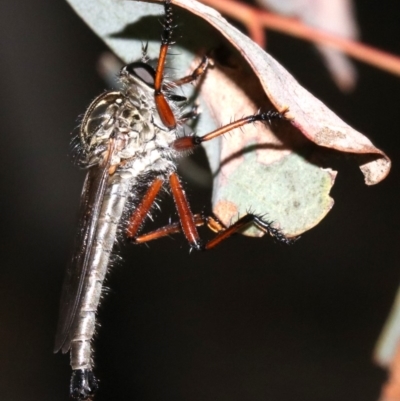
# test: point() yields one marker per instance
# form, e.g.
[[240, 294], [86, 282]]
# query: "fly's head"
[[138, 83], [138, 80], [138, 77]]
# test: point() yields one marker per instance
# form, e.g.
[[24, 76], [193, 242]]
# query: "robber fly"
[[130, 139]]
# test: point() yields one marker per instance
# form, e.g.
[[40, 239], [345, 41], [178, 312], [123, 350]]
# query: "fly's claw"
[[267, 227]]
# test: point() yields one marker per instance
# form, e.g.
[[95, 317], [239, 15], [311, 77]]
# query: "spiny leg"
[[185, 214], [163, 108], [197, 72], [141, 212], [190, 142], [187, 221], [215, 225], [246, 221], [173, 228], [192, 114]]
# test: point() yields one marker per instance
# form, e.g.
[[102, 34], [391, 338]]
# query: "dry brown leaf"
[[307, 113], [261, 167]]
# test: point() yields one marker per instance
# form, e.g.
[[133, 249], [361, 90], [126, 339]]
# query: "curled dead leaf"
[[316, 121], [261, 167]]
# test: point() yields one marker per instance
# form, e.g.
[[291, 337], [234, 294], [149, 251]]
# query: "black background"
[[251, 320]]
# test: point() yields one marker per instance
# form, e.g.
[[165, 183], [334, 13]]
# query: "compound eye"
[[142, 71]]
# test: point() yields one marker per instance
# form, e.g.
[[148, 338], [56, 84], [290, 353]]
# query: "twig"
[[255, 19]]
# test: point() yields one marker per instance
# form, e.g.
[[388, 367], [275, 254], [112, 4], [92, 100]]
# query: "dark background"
[[251, 320]]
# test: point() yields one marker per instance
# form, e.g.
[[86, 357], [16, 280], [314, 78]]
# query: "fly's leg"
[[188, 221], [173, 228], [139, 215], [244, 222], [190, 142], [185, 214], [197, 73], [191, 114], [163, 108], [215, 225]]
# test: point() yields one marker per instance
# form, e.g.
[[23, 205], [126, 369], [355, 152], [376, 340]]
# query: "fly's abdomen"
[[104, 238]]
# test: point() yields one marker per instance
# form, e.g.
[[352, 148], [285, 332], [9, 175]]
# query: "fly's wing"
[[74, 280]]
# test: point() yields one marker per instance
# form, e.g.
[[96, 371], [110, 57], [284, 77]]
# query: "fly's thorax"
[[98, 125], [129, 119], [126, 117], [149, 150]]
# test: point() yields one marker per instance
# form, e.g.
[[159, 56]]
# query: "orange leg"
[[163, 107], [185, 214], [215, 225], [190, 142], [199, 220], [188, 222], [198, 72], [244, 222], [140, 213]]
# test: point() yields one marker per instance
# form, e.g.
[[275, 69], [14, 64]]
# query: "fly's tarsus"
[[166, 37], [267, 116]]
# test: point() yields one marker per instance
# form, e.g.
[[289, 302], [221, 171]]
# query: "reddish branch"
[[256, 20]]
